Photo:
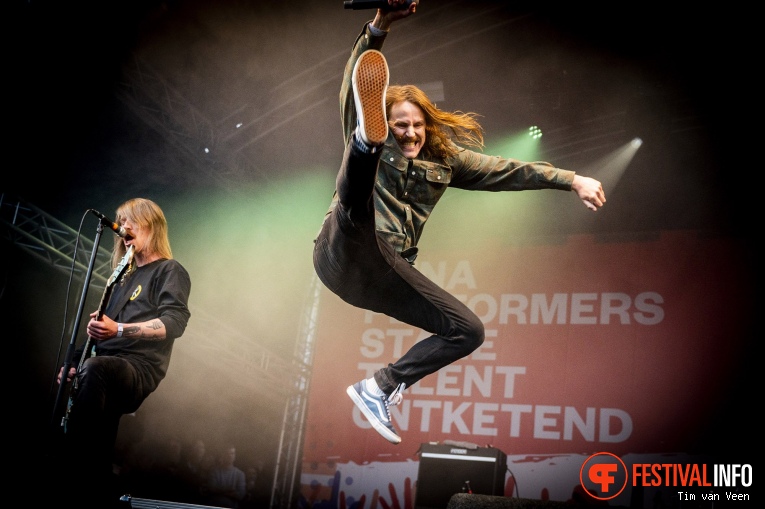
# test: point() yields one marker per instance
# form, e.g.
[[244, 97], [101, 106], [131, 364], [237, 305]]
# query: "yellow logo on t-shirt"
[[136, 293]]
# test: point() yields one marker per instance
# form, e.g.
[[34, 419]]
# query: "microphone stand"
[[73, 341]]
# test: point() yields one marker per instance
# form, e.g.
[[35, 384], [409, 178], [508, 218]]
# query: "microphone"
[[375, 4], [119, 230]]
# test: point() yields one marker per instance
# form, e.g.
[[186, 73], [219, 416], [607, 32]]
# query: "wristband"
[[119, 330]]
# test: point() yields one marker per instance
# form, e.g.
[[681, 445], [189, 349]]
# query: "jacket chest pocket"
[[437, 174], [428, 181], [413, 181]]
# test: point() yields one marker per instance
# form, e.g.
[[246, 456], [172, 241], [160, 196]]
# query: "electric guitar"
[[89, 348]]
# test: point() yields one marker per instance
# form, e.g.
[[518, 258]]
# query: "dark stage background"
[[226, 114]]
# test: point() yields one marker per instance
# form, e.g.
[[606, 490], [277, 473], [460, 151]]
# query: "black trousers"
[[365, 271], [108, 387]]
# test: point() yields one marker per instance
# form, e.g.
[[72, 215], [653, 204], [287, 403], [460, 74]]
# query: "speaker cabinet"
[[465, 501], [145, 503], [448, 469]]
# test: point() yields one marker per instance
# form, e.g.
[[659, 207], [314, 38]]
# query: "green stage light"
[[518, 145], [535, 132]]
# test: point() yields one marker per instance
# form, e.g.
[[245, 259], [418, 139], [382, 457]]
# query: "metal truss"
[[160, 106], [286, 487], [48, 239]]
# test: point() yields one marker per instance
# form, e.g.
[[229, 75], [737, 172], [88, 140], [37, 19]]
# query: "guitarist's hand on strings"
[[103, 328]]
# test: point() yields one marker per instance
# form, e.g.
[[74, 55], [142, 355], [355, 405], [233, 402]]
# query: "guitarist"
[[133, 340]]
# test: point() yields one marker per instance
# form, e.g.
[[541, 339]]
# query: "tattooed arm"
[[106, 328]]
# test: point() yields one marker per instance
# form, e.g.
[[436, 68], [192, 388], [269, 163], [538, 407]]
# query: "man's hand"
[[385, 17], [589, 191], [105, 328], [69, 376]]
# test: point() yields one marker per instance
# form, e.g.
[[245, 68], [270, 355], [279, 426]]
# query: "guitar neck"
[[99, 315], [119, 271], [104, 301]]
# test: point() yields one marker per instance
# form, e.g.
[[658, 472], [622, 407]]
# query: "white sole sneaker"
[[374, 409], [370, 82]]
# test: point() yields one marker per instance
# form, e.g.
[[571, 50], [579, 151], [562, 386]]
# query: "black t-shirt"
[[157, 290]]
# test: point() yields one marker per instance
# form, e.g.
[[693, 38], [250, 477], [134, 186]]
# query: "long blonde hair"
[[442, 128], [146, 214]]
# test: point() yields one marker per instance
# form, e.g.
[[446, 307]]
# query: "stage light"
[[523, 144], [610, 168], [535, 132]]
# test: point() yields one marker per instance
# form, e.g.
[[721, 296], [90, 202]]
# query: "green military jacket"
[[407, 190]]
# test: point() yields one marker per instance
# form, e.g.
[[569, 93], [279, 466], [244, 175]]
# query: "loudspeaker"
[[146, 503], [465, 501], [448, 469]]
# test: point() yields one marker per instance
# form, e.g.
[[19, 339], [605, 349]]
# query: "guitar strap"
[[122, 294]]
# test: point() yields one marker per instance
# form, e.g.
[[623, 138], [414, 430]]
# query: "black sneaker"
[[370, 82], [375, 408]]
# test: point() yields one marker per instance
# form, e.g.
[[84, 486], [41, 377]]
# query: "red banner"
[[590, 345]]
